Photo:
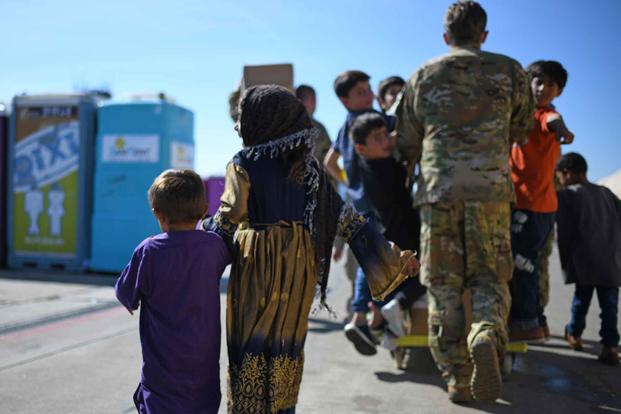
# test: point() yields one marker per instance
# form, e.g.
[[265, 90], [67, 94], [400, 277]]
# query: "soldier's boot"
[[458, 383], [459, 395], [486, 383]]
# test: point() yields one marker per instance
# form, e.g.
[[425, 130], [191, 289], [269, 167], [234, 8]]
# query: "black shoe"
[[361, 337]]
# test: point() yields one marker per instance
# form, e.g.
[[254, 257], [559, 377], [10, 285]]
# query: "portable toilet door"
[[50, 164], [136, 141]]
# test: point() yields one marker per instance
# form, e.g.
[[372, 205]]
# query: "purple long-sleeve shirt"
[[175, 277]]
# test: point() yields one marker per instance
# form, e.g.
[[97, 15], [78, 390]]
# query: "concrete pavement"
[[66, 346]]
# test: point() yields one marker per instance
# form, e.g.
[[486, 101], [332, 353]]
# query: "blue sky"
[[195, 51]]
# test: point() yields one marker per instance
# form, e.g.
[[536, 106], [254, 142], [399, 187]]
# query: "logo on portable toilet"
[[46, 156], [181, 155], [131, 148]]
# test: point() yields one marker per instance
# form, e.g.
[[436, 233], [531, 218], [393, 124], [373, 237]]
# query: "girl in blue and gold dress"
[[281, 214]]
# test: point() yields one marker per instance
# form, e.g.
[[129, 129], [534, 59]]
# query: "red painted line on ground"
[[65, 323]]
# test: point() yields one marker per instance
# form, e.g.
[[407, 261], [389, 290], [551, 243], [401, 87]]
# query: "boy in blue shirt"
[[354, 91]]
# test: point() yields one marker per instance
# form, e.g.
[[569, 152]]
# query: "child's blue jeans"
[[608, 298], [529, 231]]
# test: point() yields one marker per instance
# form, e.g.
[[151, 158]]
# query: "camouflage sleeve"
[[522, 116], [409, 126]]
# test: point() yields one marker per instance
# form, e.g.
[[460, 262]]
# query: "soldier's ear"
[[484, 36], [447, 39]]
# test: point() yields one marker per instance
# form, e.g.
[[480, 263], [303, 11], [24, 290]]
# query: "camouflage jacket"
[[457, 117]]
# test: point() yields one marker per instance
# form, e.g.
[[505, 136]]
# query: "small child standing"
[[589, 242], [532, 218], [174, 277]]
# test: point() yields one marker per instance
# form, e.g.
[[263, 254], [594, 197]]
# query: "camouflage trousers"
[[465, 245]]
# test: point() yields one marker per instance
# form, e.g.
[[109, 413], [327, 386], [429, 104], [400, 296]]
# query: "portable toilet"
[[4, 138], [50, 179], [136, 141], [214, 187]]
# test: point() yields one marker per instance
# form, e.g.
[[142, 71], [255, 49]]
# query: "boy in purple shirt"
[[175, 277]]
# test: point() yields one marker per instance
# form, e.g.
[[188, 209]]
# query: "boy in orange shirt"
[[532, 171]]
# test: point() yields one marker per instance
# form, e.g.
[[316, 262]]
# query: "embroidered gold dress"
[[274, 275]]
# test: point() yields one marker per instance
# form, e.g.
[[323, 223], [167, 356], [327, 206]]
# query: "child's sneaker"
[[389, 341], [362, 338], [574, 342], [609, 355], [486, 383], [394, 315]]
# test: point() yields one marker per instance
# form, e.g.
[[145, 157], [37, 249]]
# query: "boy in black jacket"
[[589, 241], [385, 184]]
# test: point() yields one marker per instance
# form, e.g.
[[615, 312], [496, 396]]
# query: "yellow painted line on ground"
[[423, 341]]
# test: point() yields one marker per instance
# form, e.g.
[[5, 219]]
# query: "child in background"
[[532, 172], [307, 95], [175, 279], [589, 243], [354, 91], [385, 184], [388, 90]]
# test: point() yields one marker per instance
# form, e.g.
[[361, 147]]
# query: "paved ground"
[[67, 347]]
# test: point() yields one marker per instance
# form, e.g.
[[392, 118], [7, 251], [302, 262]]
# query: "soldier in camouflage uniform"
[[457, 118]]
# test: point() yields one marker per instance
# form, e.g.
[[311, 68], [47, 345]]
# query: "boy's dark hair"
[[465, 22], [572, 162], [364, 124], [347, 80], [178, 195], [304, 92], [383, 86], [550, 68]]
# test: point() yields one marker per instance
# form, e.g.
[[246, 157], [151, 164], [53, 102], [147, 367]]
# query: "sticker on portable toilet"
[[181, 155], [131, 148], [46, 160]]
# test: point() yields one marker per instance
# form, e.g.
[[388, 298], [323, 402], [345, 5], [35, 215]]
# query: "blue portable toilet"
[[50, 181], [136, 141]]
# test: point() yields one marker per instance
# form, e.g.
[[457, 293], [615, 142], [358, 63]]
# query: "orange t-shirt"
[[533, 165]]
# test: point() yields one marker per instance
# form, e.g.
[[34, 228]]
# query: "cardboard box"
[[280, 74], [419, 315]]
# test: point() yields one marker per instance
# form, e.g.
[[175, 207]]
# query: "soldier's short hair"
[[572, 162], [465, 22], [179, 196], [347, 80], [550, 68], [304, 92], [364, 124], [383, 86]]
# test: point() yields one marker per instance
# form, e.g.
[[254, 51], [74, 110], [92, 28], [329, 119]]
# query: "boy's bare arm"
[[332, 166], [556, 124]]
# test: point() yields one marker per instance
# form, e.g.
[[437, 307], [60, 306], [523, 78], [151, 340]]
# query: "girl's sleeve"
[[384, 263], [133, 284], [233, 204]]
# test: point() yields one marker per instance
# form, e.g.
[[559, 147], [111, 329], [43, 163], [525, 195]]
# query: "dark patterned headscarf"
[[273, 122], [269, 112]]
